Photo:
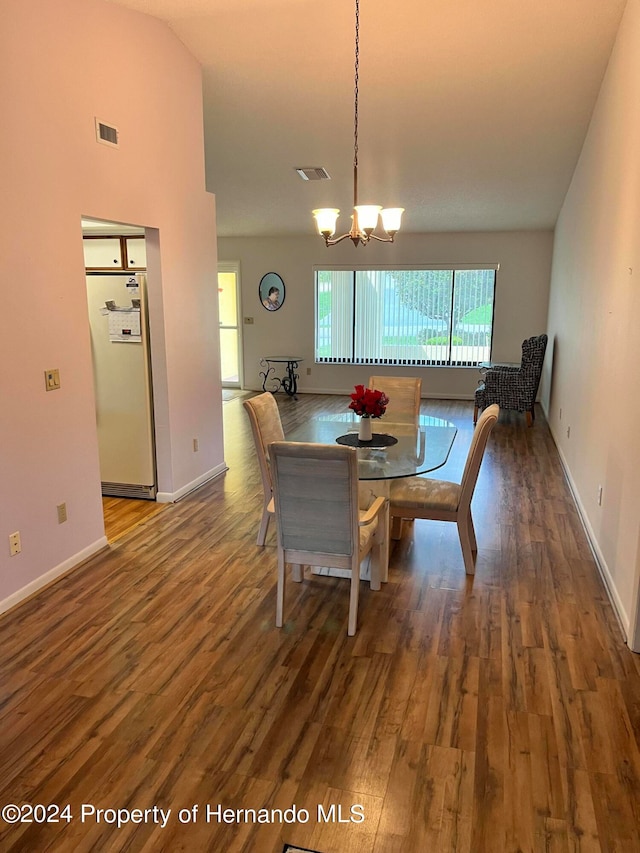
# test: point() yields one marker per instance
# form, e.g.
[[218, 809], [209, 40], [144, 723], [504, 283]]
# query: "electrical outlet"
[[196, 446], [308, 371], [599, 495], [62, 513], [15, 546], [568, 432]]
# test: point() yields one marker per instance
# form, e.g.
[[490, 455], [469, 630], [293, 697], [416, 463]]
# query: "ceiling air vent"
[[313, 173], [106, 134]]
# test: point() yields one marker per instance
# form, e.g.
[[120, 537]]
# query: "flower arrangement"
[[368, 403]]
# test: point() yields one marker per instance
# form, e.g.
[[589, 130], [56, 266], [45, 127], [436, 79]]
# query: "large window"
[[404, 316]]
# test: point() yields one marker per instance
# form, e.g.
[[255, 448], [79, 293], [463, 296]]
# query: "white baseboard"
[[172, 497], [53, 575], [598, 556]]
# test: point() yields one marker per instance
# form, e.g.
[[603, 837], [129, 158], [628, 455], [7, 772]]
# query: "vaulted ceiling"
[[472, 113]]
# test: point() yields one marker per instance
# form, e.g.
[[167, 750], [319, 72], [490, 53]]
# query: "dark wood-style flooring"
[[494, 713]]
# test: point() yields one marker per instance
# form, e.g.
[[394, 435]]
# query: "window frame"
[[396, 361]]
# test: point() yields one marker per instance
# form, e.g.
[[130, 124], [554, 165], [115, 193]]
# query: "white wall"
[[521, 298], [591, 379], [61, 64]]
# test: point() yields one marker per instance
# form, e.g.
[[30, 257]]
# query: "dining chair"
[[403, 393], [439, 500], [266, 425], [317, 517]]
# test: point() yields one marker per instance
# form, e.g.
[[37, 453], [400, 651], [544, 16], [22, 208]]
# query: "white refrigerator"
[[122, 378]]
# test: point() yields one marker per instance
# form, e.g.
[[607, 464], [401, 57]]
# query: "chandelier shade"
[[326, 219], [365, 217]]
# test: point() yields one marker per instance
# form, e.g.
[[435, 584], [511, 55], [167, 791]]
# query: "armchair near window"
[[514, 387]]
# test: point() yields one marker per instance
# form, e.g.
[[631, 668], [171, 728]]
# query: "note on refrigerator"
[[124, 325]]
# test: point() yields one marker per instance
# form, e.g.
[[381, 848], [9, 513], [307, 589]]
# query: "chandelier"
[[365, 216]]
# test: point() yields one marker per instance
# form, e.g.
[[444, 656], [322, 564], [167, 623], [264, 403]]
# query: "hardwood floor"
[[494, 713], [122, 515]]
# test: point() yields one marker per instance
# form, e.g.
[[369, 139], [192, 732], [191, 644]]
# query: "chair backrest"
[[266, 425], [486, 423], [533, 350], [316, 496], [403, 393]]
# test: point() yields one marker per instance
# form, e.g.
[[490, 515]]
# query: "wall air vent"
[[313, 173], [106, 134], [128, 490]]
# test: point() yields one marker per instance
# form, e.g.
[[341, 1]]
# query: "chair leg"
[[375, 566], [530, 418], [379, 554], [472, 534], [264, 526], [382, 551], [465, 543], [396, 527], [280, 590], [475, 414], [353, 597], [296, 572]]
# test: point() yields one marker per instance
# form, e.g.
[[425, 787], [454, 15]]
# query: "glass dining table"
[[410, 448], [420, 445]]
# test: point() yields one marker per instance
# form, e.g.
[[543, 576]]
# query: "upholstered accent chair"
[[404, 396], [439, 500], [266, 426], [317, 517], [514, 387]]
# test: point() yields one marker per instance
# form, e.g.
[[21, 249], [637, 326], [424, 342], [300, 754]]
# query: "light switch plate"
[[52, 379]]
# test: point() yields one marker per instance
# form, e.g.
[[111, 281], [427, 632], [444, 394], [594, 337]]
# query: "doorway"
[[229, 310], [115, 264]]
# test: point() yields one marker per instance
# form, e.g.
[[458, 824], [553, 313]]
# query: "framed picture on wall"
[[271, 291]]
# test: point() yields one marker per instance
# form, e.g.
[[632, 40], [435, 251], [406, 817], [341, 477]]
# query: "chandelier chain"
[[365, 217], [355, 92]]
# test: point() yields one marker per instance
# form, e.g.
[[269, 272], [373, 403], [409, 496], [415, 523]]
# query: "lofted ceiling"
[[472, 113]]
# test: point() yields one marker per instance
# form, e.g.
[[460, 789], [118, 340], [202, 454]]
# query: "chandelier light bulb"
[[391, 217], [367, 216], [326, 218]]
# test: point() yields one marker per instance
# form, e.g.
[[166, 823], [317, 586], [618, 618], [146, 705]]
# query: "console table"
[[289, 382]]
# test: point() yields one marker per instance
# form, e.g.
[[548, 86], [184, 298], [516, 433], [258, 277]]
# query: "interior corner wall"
[[522, 294], [63, 63], [590, 385]]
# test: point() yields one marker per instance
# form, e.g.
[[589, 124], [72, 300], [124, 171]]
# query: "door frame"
[[234, 267]]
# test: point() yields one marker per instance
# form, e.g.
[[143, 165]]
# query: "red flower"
[[368, 403]]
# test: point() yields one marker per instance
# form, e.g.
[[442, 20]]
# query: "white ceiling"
[[472, 112]]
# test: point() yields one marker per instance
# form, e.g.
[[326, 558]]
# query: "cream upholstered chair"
[[318, 520], [267, 427], [417, 497], [403, 393]]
